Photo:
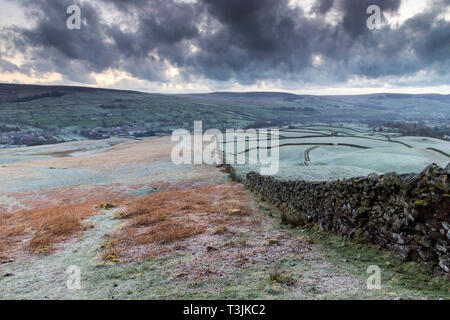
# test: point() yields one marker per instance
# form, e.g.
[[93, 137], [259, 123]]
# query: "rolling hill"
[[31, 114]]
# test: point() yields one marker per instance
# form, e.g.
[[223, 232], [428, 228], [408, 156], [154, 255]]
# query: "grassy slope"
[[333, 269], [80, 108], [80, 111], [398, 279]]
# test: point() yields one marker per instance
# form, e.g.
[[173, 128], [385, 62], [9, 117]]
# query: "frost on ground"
[[318, 153], [157, 231]]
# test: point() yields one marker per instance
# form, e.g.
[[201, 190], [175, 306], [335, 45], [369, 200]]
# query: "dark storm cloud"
[[53, 47], [234, 39], [6, 66], [432, 40], [164, 26], [254, 38]]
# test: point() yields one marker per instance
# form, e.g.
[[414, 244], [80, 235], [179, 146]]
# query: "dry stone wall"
[[408, 214]]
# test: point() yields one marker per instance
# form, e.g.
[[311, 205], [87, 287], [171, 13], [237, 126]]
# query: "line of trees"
[[411, 128]]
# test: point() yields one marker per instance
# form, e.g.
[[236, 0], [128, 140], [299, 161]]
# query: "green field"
[[62, 112], [329, 152]]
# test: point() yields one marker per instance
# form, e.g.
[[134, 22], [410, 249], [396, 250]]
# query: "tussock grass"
[[39, 230], [3, 257], [276, 275], [158, 220]]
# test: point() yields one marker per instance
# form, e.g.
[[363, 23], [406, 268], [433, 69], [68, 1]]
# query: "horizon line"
[[279, 91]]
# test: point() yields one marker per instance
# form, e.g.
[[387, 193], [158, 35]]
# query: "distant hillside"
[[12, 92], [283, 96], [31, 114]]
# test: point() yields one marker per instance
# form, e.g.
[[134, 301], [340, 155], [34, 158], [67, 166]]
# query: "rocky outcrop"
[[408, 214]]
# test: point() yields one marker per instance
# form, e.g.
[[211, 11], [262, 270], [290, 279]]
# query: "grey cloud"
[[237, 40], [53, 47], [6, 66], [323, 6]]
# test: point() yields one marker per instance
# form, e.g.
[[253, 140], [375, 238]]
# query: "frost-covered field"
[[82, 175], [331, 152]]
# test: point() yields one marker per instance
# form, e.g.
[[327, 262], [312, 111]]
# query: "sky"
[[185, 46]]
